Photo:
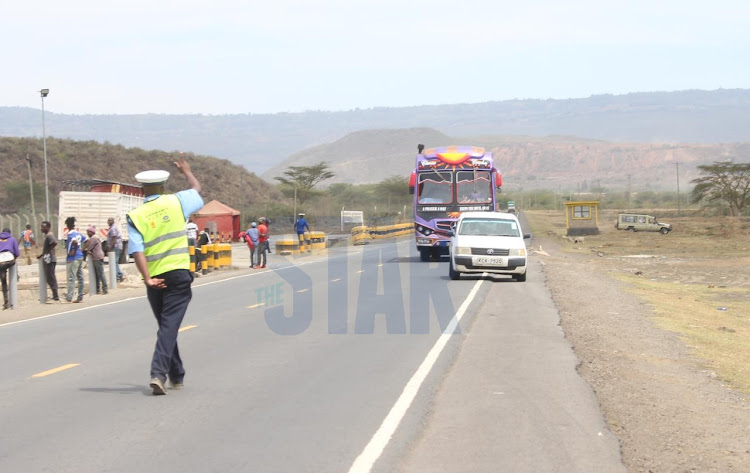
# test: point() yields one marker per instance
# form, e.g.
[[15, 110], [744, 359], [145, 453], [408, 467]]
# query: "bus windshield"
[[435, 188], [473, 187]]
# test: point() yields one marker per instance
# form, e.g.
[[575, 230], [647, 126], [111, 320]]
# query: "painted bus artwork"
[[445, 182]]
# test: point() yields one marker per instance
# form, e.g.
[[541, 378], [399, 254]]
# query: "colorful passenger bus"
[[445, 182]]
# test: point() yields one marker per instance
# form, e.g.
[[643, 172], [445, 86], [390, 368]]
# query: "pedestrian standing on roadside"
[[156, 231], [74, 260], [252, 235], [48, 258], [299, 226], [27, 240], [262, 243], [93, 246], [8, 255], [192, 231], [114, 243]]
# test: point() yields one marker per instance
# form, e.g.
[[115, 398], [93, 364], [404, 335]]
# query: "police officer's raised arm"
[[184, 167]]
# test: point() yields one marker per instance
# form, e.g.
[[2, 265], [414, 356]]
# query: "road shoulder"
[[513, 400]]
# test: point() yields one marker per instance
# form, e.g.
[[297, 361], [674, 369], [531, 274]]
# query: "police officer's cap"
[[152, 177]]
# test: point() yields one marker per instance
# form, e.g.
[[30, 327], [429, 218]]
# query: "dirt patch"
[[668, 406]]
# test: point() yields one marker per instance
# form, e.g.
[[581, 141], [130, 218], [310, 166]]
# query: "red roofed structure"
[[219, 218]]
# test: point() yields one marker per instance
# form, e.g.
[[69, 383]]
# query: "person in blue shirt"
[[164, 262], [252, 234], [300, 225], [74, 260]]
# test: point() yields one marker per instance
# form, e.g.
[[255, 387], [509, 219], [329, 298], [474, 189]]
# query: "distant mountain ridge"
[[259, 142], [555, 163]]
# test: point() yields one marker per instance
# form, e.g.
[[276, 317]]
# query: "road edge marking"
[[379, 441]]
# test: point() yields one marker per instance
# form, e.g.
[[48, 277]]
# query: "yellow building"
[[582, 218]]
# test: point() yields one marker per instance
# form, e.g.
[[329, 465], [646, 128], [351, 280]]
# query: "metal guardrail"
[[361, 234]]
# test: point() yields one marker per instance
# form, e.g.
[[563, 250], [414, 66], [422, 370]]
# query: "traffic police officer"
[[159, 246]]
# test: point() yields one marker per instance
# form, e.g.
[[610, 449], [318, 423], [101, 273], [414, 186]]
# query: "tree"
[[304, 179], [723, 181]]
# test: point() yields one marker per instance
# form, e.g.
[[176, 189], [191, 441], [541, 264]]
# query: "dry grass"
[[701, 265], [720, 337]]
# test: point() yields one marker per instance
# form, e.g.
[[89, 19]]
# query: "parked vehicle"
[[641, 223], [94, 207], [490, 242]]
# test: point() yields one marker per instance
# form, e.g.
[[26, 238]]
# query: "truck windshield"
[[489, 226]]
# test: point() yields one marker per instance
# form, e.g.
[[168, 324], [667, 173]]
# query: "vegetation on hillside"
[[69, 160]]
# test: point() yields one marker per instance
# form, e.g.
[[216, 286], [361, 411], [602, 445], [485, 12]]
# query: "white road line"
[[195, 286], [366, 460]]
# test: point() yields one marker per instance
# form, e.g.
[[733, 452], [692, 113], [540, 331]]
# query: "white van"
[[490, 242]]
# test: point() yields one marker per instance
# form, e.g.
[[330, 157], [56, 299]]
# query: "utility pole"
[[628, 191], [677, 167], [31, 187]]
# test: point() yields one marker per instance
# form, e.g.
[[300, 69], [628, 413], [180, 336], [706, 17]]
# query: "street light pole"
[[44, 93], [31, 188]]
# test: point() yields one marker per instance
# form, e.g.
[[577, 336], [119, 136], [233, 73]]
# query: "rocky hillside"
[[69, 160], [555, 163]]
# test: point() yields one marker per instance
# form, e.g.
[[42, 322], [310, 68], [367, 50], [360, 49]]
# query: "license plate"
[[490, 261]]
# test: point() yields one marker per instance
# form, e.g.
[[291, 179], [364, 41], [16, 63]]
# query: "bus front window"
[[435, 188], [473, 187]]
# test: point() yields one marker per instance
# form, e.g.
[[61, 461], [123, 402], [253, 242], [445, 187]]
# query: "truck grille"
[[495, 251]]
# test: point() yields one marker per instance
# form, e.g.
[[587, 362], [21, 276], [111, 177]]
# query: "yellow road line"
[[55, 370], [187, 327], [255, 306]]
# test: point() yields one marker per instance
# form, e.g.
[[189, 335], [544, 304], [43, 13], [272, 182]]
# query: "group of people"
[[256, 238], [77, 247]]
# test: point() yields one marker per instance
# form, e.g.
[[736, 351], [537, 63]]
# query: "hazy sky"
[[221, 56]]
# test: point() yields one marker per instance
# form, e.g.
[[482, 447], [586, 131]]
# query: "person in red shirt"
[[262, 242]]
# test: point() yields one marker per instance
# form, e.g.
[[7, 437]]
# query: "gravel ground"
[[670, 412]]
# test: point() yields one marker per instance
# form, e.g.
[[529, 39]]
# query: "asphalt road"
[[324, 364]]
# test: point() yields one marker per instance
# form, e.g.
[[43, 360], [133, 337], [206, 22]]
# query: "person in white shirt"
[[192, 232]]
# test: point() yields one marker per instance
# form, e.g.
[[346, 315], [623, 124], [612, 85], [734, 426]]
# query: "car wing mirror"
[[526, 236]]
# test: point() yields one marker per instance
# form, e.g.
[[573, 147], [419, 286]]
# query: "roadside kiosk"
[[582, 218]]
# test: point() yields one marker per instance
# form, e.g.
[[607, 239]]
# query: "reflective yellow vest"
[[161, 222]]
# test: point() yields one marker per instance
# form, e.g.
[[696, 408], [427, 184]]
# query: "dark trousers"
[[101, 281], [49, 273], [261, 252], [169, 306], [4, 282]]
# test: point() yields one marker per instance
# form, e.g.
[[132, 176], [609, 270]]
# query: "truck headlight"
[[463, 250], [517, 252]]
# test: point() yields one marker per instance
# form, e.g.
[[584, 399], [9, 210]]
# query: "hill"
[[554, 163], [260, 141], [70, 160]]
